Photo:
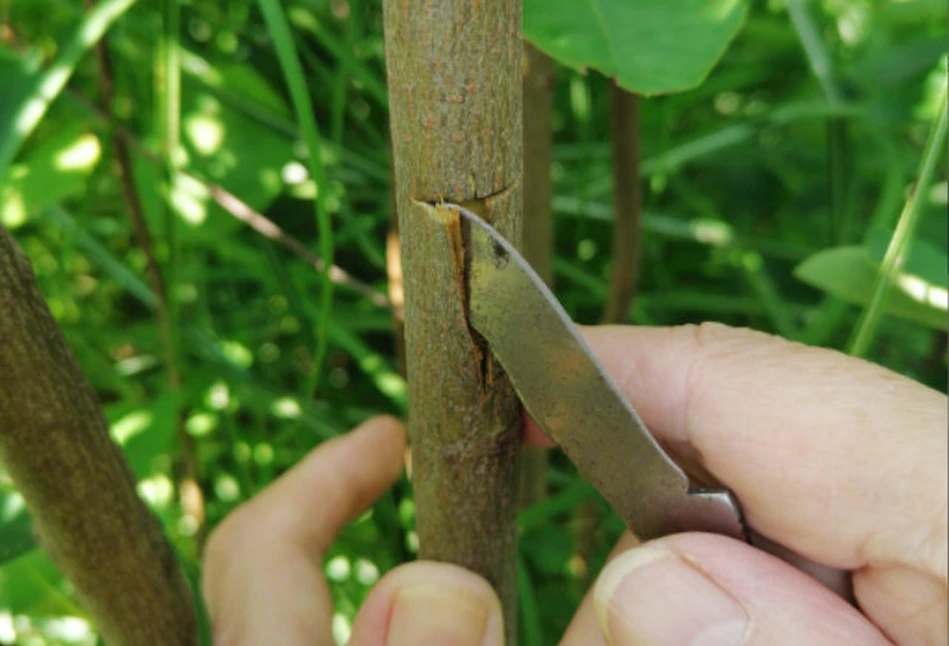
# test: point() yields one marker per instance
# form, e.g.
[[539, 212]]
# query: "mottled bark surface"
[[55, 444], [627, 204], [539, 77], [454, 74]]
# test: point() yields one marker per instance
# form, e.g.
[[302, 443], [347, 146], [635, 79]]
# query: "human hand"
[[836, 459], [263, 581]]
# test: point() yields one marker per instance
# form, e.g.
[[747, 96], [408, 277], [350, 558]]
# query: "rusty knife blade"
[[573, 399]]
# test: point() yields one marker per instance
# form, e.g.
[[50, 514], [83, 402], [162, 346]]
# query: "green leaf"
[[32, 585], [44, 86], [925, 260], [16, 527], [16, 73], [547, 549], [286, 50], [56, 169], [229, 149], [648, 46], [849, 273], [145, 433]]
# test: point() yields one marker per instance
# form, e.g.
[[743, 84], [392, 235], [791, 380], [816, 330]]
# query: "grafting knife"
[[573, 399]]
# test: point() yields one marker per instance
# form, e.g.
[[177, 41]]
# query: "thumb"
[[430, 603], [705, 590]]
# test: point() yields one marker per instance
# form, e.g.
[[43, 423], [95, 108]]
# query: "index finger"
[[263, 576], [838, 459]]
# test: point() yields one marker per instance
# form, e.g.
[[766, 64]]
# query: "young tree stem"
[[454, 75]]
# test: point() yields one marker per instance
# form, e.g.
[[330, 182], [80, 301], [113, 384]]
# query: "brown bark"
[[55, 444], [538, 217], [454, 74], [627, 204]]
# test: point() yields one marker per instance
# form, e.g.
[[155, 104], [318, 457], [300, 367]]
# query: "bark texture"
[[627, 204], [55, 444], [454, 74], [539, 80]]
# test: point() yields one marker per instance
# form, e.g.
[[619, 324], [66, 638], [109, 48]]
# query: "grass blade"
[[899, 245], [814, 49], [48, 84], [296, 84], [532, 632]]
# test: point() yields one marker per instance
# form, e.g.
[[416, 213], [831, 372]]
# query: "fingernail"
[[429, 613], [649, 595]]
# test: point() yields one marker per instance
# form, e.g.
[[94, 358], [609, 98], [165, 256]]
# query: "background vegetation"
[[772, 190]]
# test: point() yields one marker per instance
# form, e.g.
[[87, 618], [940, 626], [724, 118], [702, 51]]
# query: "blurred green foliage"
[[772, 191]]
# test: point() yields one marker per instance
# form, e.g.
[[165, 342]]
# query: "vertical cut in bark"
[[55, 444], [454, 74], [627, 204], [538, 217]]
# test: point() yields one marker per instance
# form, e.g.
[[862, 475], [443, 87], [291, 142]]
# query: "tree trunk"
[[454, 73], [538, 217], [55, 444], [627, 203]]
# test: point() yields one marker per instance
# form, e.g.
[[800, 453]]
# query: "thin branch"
[[189, 489], [242, 211], [627, 204], [76, 481], [266, 227]]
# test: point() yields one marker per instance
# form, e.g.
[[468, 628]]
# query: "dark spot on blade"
[[500, 255]]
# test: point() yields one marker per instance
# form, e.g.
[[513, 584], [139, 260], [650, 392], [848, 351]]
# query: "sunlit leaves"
[[649, 46], [918, 292], [56, 169], [43, 86]]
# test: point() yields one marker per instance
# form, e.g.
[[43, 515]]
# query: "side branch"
[[627, 199], [54, 442]]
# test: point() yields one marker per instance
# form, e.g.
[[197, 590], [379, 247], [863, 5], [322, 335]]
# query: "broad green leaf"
[[53, 171], [239, 83], [145, 433], [849, 273], [648, 46], [32, 585], [925, 260]]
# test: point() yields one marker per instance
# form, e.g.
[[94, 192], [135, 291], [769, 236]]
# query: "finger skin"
[[263, 564], [667, 599], [584, 628], [837, 459], [372, 624]]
